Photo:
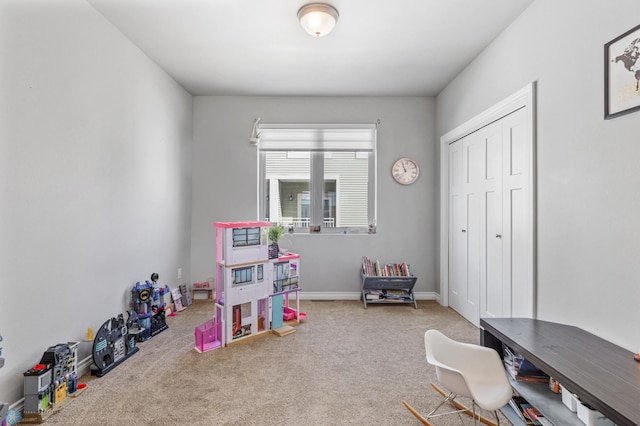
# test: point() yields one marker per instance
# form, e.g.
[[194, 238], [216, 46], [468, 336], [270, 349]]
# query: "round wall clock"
[[405, 171]]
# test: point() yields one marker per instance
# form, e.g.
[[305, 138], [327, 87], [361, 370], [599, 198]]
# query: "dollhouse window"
[[259, 272], [243, 275], [246, 237]]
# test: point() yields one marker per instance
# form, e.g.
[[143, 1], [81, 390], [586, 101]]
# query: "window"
[[246, 237], [243, 275], [316, 177]]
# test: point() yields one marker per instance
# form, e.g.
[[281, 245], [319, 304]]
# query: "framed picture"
[[622, 74]]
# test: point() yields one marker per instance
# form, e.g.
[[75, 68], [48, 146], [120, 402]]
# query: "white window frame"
[[317, 139]]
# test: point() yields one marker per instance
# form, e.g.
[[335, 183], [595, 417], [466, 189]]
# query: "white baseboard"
[[84, 365]]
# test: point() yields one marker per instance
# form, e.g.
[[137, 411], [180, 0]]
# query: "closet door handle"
[[464, 230], [498, 236]]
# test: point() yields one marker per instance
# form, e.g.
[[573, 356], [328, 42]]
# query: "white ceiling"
[[257, 47]]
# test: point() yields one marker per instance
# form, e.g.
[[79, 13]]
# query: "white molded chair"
[[467, 370]]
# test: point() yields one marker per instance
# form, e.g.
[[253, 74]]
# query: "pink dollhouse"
[[252, 291]]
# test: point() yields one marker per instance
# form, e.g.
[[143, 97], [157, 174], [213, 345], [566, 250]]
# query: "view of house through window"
[[318, 177], [288, 193], [333, 189]]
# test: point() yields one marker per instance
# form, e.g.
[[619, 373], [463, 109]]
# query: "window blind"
[[317, 137]]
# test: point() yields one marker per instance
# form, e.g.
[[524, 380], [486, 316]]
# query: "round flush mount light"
[[318, 19]]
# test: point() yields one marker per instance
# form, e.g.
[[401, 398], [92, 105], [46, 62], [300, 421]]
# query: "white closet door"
[[475, 170], [466, 175], [458, 227], [489, 207]]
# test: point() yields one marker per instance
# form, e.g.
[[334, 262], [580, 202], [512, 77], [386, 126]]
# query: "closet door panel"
[[520, 291], [457, 170], [491, 285], [457, 226], [515, 134], [475, 160], [472, 291], [492, 135], [517, 212], [458, 252], [493, 301]]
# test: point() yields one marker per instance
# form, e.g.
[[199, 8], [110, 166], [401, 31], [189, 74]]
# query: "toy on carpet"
[[4, 408], [252, 287], [13, 417], [115, 342], [48, 383], [147, 300], [1, 358], [204, 287]]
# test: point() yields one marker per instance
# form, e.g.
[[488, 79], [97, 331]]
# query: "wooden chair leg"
[[415, 413], [465, 409], [455, 403]]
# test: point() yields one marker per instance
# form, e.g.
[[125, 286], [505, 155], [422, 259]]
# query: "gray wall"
[[225, 185], [95, 175], [588, 234]]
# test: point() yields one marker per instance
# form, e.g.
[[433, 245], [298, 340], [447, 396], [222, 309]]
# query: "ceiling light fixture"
[[318, 19]]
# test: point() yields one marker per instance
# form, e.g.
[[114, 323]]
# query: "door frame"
[[523, 98]]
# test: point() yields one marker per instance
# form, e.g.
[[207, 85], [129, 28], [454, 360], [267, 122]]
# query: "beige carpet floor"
[[344, 365]]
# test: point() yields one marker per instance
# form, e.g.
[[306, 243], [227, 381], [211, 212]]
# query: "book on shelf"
[[527, 412], [376, 269], [373, 294], [522, 370], [519, 404], [389, 295], [536, 417], [396, 294]]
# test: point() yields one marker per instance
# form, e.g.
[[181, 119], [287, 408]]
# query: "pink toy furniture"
[[203, 287], [207, 336], [290, 314]]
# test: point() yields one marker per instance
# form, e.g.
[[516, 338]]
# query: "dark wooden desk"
[[603, 375]]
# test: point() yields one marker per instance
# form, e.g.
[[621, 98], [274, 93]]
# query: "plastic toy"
[[4, 408], [14, 417], [177, 299], [185, 295], [206, 337], [147, 300], [250, 287], [1, 358], [290, 314], [285, 283], [115, 342], [48, 383], [202, 287]]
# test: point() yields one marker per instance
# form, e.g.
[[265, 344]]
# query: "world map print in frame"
[[622, 74]]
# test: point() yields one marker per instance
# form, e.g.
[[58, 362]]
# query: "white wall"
[[95, 177], [225, 185], [588, 202]]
